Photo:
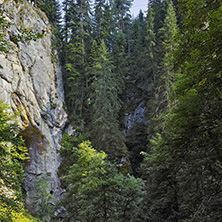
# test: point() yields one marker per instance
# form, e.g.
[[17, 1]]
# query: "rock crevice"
[[32, 84]]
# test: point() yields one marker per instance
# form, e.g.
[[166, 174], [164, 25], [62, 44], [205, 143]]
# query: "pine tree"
[[137, 52], [158, 163], [133, 95], [68, 11], [158, 14], [164, 70], [198, 108]]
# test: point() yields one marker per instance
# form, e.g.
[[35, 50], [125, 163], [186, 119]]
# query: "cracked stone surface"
[[32, 84]]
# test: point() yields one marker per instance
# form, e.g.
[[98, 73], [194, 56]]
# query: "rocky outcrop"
[[135, 116], [31, 83]]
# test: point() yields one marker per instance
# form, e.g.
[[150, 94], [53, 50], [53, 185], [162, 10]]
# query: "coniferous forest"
[[144, 96]]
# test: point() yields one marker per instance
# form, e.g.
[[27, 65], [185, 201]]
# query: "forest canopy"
[[144, 97], [167, 62]]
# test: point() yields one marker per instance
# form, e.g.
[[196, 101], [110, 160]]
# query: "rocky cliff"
[[31, 83]]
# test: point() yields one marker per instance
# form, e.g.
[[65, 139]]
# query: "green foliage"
[[3, 25], [150, 46], [170, 45], [164, 71], [43, 198], [159, 169], [104, 127], [178, 76], [121, 13], [77, 46], [137, 54], [27, 35], [184, 164], [12, 149], [7, 214], [103, 22], [97, 191], [52, 11], [68, 142], [120, 59], [12, 152], [165, 76]]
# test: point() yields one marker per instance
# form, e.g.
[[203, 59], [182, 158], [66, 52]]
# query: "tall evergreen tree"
[[184, 164], [170, 45], [133, 95], [120, 59], [105, 132], [165, 72], [103, 22], [137, 52], [158, 13], [150, 43], [77, 29], [121, 12], [97, 191], [52, 10], [165, 208]]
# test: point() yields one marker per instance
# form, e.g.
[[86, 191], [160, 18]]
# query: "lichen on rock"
[[30, 83]]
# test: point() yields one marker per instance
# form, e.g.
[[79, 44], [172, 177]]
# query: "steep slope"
[[32, 84]]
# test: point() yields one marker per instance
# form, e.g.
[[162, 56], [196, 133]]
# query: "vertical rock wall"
[[135, 116], [32, 84]]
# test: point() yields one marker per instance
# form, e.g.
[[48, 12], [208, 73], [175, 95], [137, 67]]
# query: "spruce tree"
[[165, 72], [102, 20], [137, 54], [104, 127], [158, 14], [77, 45], [96, 191], [150, 43], [183, 166], [133, 95], [121, 13], [169, 46], [52, 10], [120, 60]]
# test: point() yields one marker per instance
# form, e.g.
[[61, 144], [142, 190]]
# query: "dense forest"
[[144, 97]]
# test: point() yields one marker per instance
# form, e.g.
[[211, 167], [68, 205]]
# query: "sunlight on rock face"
[[32, 84]]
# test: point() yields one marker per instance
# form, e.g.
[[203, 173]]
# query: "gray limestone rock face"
[[135, 116], [32, 84]]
